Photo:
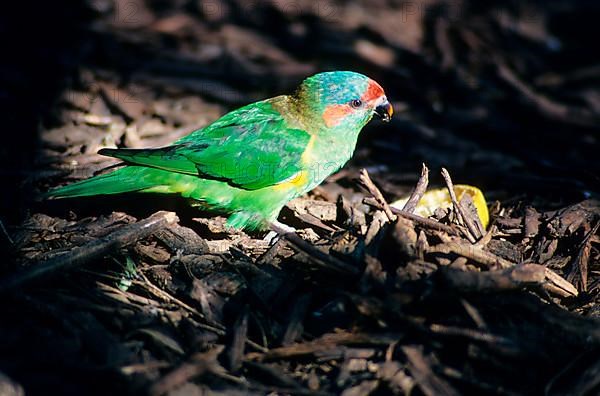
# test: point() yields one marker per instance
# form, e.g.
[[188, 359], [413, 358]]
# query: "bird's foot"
[[281, 228], [271, 237], [277, 230]]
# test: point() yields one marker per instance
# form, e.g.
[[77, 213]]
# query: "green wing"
[[251, 148]]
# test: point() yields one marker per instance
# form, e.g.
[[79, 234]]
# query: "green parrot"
[[252, 161]]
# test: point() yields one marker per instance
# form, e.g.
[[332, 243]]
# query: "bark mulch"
[[144, 294]]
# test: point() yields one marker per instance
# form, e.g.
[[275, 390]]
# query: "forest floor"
[[143, 294]]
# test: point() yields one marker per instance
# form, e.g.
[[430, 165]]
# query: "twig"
[[235, 352], [322, 258], [271, 374], [512, 278], [6, 234], [474, 231], [580, 264], [434, 224], [420, 368], [471, 334], [418, 192], [483, 242], [163, 295], [471, 252], [474, 314], [368, 183], [198, 363], [82, 255], [556, 284], [295, 327], [324, 342], [429, 223]]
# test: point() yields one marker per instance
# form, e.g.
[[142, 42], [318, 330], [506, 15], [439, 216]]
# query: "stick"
[[514, 278], [322, 258], [368, 183], [418, 192], [420, 368], [6, 234], [580, 264], [473, 230], [433, 224], [474, 253], [95, 249]]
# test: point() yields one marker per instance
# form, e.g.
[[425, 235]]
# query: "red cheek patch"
[[333, 114]]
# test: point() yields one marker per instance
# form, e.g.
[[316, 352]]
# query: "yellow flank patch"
[[159, 190], [301, 178], [297, 181], [305, 158]]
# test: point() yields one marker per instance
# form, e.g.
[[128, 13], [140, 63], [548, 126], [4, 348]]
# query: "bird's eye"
[[356, 103]]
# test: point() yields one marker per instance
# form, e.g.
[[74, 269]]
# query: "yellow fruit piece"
[[439, 198]]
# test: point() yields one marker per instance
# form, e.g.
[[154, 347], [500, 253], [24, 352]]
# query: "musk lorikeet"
[[252, 161]]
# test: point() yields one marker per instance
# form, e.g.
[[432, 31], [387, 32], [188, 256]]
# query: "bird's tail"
[[128, 179]]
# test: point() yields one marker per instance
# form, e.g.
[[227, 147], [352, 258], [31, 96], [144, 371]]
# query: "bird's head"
[[344, 99]]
